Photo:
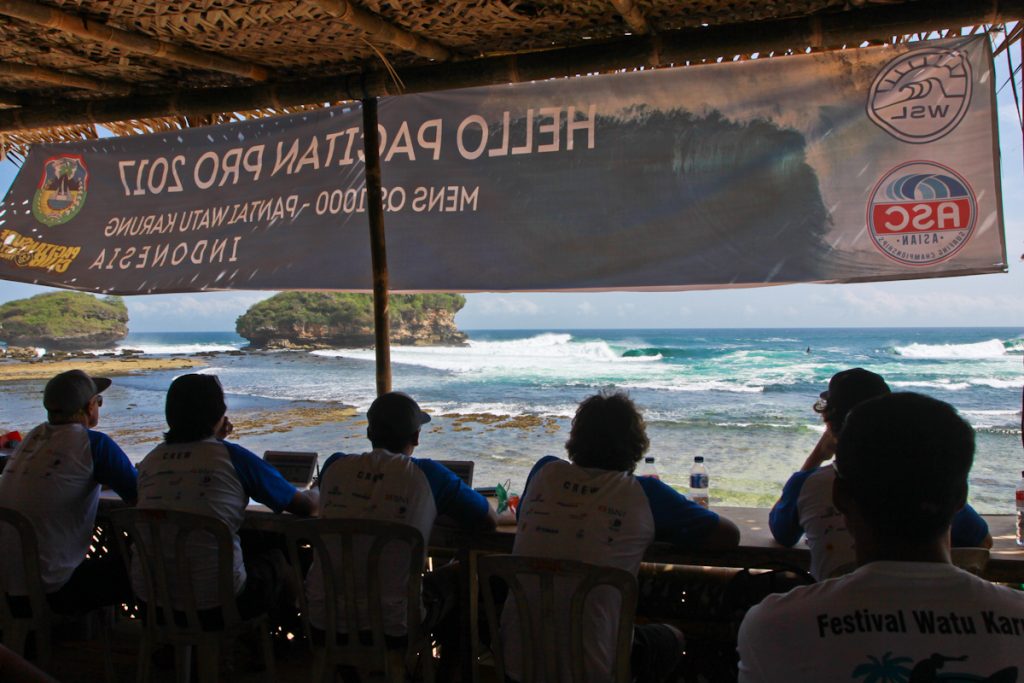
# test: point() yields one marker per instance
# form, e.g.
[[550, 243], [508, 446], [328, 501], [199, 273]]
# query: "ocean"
[[739, 397]]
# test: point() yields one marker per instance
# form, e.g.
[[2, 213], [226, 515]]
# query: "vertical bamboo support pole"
[[378, 247]]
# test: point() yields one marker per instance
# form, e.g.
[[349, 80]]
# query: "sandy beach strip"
[[103, 367]]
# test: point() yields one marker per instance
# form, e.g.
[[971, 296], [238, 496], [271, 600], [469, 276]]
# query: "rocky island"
[[64, 321], [311, 320]]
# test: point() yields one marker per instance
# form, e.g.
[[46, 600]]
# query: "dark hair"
[[608, 432], [904, 459], [195, 403]]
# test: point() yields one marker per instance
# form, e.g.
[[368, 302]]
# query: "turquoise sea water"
[[741, 398]]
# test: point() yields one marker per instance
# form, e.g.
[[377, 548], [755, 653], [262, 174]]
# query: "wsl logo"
[[921, 96], [62, 190], [921, 213]]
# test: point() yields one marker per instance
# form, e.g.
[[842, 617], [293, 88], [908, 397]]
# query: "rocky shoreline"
[[13, 370]]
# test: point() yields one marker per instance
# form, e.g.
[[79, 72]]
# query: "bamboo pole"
[[377, 28], [88, 29], [378, 246], [877, 22], [633, 15], [42, 74]]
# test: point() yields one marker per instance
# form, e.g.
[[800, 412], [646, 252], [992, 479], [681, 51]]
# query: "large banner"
[[870, 164]]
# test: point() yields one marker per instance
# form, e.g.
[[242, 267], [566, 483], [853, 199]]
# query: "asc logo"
[[921, 96], [921, 213], [62, 190]]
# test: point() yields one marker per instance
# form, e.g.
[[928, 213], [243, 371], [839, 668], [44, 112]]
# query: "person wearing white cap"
[[54, 479]]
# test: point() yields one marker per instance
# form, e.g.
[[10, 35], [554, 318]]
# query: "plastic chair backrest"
[[160, 541], [539, 622], [346, 578], [40, 609]]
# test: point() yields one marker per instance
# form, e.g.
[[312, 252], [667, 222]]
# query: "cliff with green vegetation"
[[337, 319], [66, 321]]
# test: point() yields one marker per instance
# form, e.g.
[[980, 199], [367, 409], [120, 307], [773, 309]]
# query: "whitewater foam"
[[546, 355], [992, 348], [945, 385], [175, 349]]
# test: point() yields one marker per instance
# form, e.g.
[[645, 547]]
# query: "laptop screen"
[[462, 468], [297, 467]]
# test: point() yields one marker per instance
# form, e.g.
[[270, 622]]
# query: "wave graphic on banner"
[[925, 186]]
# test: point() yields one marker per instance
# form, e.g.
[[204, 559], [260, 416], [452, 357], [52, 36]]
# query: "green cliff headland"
[[64, 321], [337, 319]]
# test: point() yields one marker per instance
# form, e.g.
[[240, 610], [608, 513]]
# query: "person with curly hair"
[[593, 509]]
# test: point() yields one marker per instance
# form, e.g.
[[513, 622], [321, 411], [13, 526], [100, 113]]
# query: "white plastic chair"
[[540, 624], [17, 629], [41, 619], [365, 647], [172, 616]]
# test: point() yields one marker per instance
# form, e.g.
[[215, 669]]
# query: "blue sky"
[[984, 300]]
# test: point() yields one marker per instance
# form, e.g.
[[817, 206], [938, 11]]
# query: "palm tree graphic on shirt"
[[889, 669]]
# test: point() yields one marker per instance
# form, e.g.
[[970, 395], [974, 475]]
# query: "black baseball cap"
[[67, 393], [394, 415], [851, 387]]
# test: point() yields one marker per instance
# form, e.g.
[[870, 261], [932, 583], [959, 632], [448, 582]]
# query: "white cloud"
[[876, 303], [587, 308], [485, 305], [190, 306]]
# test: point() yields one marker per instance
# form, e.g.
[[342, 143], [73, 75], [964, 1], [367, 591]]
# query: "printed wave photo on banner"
[[866, 164]]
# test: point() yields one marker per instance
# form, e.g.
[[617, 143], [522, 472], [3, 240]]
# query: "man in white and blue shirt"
[[806, 505], [905, 613], [54, 479], [195, 470], [388, 484], [593, 509]]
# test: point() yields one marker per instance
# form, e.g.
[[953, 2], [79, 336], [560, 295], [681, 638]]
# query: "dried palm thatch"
[[138, 66]]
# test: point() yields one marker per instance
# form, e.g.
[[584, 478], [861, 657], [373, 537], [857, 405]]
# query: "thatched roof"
[[142, 65]]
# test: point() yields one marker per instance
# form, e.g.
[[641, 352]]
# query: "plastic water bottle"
[[699, 482], [1020, 510], [647, 469]]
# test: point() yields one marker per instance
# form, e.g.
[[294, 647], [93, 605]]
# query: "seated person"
[[195, 470], [54, 479], [806, 504], [593, 509], [906, 607], [388, 484]]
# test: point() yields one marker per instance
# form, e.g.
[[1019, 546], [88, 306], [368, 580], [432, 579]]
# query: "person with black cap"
[[195, 470], [54, 479], [389, 484], [806, 504], [906, 612]]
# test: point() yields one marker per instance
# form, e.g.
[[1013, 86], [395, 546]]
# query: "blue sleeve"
[[330, 461], [784, 519], [677, 519], [536, 468], [111, 467], [261, 481], [453, 498], [969, 528]]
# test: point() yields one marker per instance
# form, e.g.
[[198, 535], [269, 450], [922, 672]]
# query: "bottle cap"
[[649, 459], [698, 458]]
